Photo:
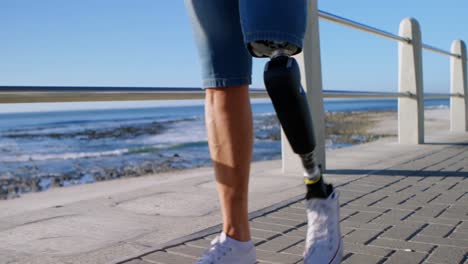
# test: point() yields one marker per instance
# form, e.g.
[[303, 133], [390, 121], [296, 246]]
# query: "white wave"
[[437, 107], [192, 131], [265, 114], [63, 156], [8, 144]]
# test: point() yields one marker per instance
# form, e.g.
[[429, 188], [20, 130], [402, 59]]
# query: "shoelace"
[[215, 253], [317, 219]]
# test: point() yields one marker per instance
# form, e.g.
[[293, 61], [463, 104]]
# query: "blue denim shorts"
[[222, 28]]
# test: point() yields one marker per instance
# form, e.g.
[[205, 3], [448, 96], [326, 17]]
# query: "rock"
[[86, 178], [147, 168]]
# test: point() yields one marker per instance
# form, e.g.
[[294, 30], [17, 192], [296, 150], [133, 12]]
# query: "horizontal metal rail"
[[440, 51], [363, 95], [442, 96], [354, 24], [363, 27], [42, 94], [379, 95]]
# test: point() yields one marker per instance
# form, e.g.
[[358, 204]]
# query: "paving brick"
[[298, 232], [445, 254], [367, 200], [363, 217], [295, 250], [357, 225], [463, 227], [272, 257], [448, 197], [402, 245], [430, 210], [403, 231], [395, 198], [269, 227], [263, 234], [137, 261], [212, 236], [280, 243], [257, 241], [456, 212], [300, 206], [393, 217], [280, 221], [293, 210], [381, 180], [357, 208], [346, 194], [452, 180], [201, 243], [363, 259], [436, 230], [403, 257], [432, 220], [368, 249], [186, 250], [346, 231], [441, 241], [459, 235], [162, 257], [346, 213], [364, 188], [403, 206], [460, 186], [362, 236], [302, 217]]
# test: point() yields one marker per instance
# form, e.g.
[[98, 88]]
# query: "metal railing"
[[366, 28]]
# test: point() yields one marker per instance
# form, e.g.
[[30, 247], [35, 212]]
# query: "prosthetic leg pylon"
[[283, 83]]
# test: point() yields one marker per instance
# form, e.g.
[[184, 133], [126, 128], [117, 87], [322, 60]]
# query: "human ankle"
[[239, 234]]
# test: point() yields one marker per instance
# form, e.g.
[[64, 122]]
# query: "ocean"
[[61, 148]]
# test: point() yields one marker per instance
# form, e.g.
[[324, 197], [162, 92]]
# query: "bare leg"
[[230, 137]]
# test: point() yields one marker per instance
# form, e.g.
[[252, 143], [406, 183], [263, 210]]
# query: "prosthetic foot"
[[283, 83]]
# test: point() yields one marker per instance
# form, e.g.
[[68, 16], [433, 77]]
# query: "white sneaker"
[[323, 244], [225, 250]]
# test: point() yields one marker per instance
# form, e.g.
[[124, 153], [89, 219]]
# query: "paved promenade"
[[399, 204], [413, 212]]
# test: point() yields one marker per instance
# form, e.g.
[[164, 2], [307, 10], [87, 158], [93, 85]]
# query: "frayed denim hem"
[[273, 35], [226, 82]]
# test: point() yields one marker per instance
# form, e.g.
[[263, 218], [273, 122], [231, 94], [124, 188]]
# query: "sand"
[[387, 122]]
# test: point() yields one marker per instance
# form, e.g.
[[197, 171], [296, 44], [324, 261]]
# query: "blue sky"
[[149, 43]]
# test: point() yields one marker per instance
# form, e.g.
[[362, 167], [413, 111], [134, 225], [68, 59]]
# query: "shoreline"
[[344, 129]]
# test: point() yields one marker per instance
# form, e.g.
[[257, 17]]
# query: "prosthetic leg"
[[283, 83]]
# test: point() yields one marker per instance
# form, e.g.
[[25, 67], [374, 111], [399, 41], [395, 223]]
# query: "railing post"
[[310, 64], [458, 85], [410, 109]]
